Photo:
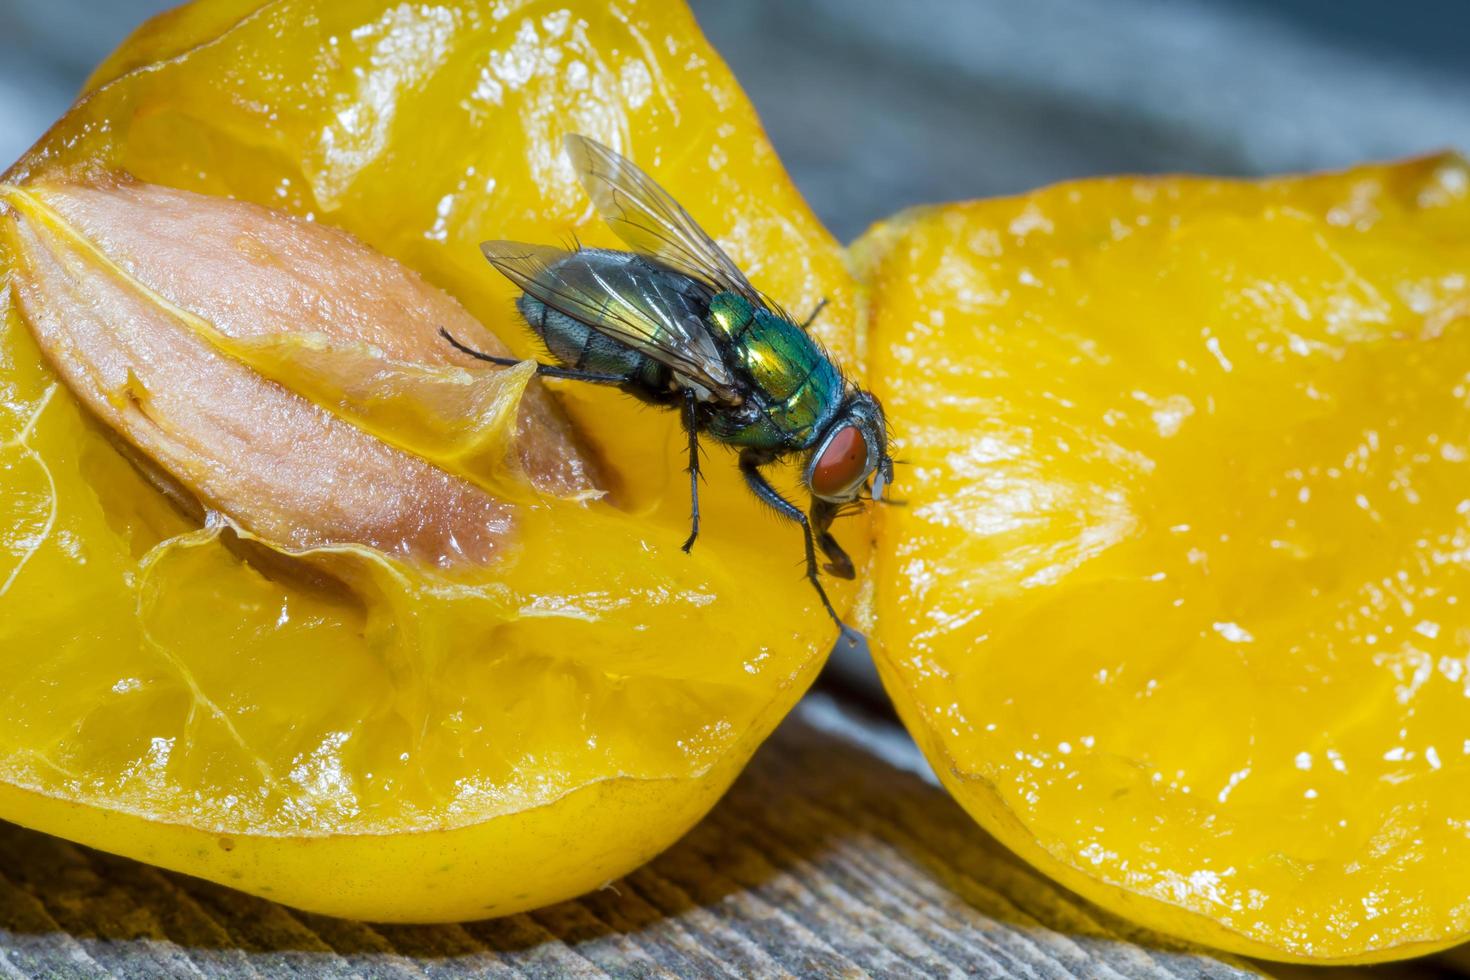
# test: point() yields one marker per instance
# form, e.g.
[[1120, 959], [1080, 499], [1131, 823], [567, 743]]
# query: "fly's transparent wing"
[[645, 216], [623, 297]]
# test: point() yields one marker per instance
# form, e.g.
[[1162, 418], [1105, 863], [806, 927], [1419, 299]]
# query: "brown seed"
[[109, 273]]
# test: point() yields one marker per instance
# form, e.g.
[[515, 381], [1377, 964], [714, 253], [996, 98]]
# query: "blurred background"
[[875, 105]]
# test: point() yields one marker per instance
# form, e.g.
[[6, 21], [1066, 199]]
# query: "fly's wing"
[[624, 298], [645, 216]]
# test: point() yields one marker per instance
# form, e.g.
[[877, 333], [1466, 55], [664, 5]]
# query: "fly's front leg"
[[821, 305], [750, 464], [542, 370], [838, 564], [691, 426]]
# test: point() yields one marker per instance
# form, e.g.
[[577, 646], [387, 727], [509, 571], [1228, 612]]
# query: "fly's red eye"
[[842, 464]]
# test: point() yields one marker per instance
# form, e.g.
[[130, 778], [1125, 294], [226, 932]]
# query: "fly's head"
[[851, 457]]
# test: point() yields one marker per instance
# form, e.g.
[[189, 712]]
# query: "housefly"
[[675, 323]]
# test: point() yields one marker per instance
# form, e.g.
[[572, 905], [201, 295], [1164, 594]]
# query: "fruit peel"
[[575, 844]]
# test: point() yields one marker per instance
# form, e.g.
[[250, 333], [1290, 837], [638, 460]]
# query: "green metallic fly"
[[675, 323]]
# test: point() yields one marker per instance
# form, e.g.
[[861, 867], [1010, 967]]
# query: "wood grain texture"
[[832, 856]]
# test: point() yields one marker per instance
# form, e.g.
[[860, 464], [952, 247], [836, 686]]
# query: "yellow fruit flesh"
[[1177, 607], [424, 745]]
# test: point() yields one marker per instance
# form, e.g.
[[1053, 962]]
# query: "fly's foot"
[[838, 565]]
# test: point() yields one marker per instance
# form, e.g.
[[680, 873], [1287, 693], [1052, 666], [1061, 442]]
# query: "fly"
[[675, 323]]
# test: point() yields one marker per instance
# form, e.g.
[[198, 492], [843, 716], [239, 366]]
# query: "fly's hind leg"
[[691, 423], [542, 370], [750, 464], [838, 564]]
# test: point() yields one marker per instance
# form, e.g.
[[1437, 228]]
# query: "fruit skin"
[[543, 729], [573, 845], [1173, 608]]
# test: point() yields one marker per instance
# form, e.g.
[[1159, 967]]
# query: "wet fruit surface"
[[1177, 606], [363, 728]]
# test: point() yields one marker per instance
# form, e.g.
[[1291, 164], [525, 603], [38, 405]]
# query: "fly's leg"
[[567, 374], [750, 468], [690, 426], [838, 564], [542, 370], [821, 305]]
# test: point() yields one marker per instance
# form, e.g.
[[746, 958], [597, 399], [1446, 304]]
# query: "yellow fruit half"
[[1179, 604], [329, 719]]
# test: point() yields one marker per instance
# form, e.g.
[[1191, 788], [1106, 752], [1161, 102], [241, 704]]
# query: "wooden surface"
[[832, 855]]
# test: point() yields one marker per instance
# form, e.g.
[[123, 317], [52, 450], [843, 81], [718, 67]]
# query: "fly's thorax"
[[794, 388], [781, 361], [730, 315]]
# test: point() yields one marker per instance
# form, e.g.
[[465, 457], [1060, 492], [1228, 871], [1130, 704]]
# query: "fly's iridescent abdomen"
[[794, 388], [581, 347]]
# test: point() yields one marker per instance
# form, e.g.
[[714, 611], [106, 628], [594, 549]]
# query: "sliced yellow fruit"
[[335, 721], [1179, 604]]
